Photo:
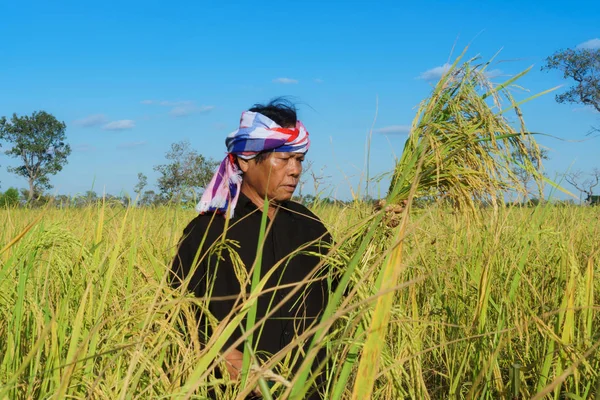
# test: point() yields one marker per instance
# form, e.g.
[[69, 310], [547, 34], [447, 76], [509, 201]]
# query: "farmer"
[[264, 160]]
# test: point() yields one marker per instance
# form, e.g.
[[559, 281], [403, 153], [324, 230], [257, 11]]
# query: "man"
[[264, 160]]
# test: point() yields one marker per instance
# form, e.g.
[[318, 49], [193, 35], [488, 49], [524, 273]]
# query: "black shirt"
[[293, 227]]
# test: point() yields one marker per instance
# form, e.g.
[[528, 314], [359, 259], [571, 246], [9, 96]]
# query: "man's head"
[[264, 159], [271, 173]]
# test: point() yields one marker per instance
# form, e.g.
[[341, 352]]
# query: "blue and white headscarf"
[[257, 133]]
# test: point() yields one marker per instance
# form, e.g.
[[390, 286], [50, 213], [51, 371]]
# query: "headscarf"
[[257, 133]]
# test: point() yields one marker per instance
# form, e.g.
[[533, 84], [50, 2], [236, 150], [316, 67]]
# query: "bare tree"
[[535, 156], [141, 184], [584, 185], [318, 180], [305, 170]]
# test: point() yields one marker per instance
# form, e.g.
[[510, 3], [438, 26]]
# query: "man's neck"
[[258, 200]]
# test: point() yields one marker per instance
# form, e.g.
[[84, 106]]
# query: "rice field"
[[465, 298], [86, 312]]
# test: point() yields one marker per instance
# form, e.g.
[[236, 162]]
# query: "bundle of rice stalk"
[[463, 148], [461, 145]]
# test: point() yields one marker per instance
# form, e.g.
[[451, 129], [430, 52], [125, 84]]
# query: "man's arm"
[[183, 264]]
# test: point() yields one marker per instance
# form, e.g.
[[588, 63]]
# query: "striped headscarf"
[[256, 133]]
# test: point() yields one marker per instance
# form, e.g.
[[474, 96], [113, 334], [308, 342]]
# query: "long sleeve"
[[183, 263], [208, 274]]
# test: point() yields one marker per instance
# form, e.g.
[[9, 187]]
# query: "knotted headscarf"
[[257, 133]]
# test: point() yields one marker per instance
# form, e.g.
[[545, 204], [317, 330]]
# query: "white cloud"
[[120, 125], [131, 145], [435, 73], [189, 109], [394, 129], [494, 73], [591, 44], [91, 120], [319, 80], [181, 108], [285, 81], [84, 147], [167, 103]]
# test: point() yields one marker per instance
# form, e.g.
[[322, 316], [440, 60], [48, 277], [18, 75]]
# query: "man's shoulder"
[[205, 222]]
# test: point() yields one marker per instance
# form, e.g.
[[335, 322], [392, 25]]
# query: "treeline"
[[19, 198], [14, 197]]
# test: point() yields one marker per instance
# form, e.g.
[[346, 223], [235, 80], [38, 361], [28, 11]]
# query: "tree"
[[534, 155], [185, 174], [39, 142], [582, 66], [584, 185], [62, 201], [10, 198], [125, 200], [90, 197], [142, 183], [149, 198]]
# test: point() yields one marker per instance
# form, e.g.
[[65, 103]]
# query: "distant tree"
[[38, 198], [90, 197], [306, 169], [62, 200], [125, 200], [308, 200], [25, 193], [149, 198], [583, 67], [112, 200], [583, 185], [535, 156], [10, 198], [141, 184], [186, 173], [564, 203], [38, 141]]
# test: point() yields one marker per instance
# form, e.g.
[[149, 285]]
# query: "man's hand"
[[234, 361]]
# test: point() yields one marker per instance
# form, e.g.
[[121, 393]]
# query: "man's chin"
[[284, 197]]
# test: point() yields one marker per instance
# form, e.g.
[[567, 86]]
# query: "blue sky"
[[130, 78]]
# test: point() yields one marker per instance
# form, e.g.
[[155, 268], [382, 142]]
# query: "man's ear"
[[243, 164]]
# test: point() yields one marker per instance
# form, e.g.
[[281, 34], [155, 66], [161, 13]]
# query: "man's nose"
[[296, 168]]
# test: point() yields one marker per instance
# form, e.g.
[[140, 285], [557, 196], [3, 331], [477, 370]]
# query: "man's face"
[[276, 176]]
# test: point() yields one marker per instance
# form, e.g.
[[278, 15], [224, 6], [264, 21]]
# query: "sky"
[[130, 78]]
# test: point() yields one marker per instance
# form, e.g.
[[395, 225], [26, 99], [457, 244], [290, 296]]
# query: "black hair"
[[282, 111]]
